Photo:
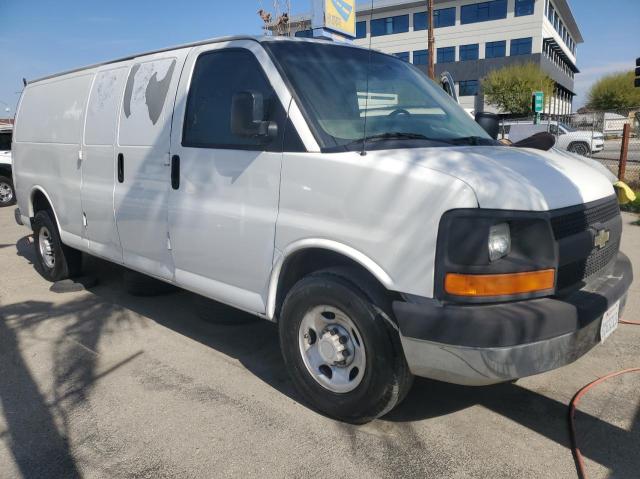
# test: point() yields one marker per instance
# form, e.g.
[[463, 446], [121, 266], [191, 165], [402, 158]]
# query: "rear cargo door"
[[142, 162]]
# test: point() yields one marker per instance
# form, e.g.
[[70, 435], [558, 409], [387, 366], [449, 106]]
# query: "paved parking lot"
[[102, 384]]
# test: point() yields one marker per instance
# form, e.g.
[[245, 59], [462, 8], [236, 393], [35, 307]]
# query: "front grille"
[[576, 222]]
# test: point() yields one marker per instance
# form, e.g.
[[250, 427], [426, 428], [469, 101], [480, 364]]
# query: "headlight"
[[499, 241], [488, 255]]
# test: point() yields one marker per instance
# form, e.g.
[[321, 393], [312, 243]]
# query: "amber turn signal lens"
[[499, 284]]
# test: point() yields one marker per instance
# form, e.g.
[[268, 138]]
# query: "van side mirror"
[[490, 122], [247, 116]]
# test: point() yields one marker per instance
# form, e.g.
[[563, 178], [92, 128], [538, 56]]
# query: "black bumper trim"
[[18, 216], [520, 322]]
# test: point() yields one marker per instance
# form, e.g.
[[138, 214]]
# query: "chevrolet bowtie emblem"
[[601, 238]]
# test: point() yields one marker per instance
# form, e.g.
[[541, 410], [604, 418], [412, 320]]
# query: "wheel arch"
[[39, 200], [308, 255]]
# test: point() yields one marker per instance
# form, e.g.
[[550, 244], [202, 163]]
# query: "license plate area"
[[609, 321]]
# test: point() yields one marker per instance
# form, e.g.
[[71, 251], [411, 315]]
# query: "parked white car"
[[7, 196], [388, 240], [584, 143]]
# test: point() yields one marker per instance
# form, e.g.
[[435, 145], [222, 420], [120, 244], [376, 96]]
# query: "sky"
[[40, 37]]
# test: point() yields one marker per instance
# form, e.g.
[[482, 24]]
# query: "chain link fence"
[[598, 134]]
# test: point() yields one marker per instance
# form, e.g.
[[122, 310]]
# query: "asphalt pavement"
[[101, 384]]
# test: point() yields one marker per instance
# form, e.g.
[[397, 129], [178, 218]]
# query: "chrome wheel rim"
[[6, 192], [332, 349], [45, 244]]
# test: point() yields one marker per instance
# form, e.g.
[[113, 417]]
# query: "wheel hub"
[[333, 346], [45, 243], [6, 193]]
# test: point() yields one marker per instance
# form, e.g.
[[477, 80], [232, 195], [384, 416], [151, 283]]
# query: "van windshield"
[[337, 87]]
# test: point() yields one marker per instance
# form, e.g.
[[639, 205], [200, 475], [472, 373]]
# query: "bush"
[[510, 88], [614, 92]]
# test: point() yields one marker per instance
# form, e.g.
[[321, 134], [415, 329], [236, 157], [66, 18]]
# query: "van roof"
[[258, 39]]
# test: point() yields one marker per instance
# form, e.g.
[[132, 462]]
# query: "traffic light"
[[637, 82]]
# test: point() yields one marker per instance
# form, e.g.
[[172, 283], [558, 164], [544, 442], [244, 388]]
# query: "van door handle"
[[120, 168], [175, 172]]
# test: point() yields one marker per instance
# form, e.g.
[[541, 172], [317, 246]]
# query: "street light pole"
[[431, 41]]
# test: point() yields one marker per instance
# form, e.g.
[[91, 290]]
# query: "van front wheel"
[[55, 260], [341, 349]]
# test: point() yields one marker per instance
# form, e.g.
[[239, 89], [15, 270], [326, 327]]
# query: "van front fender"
[[319, 243]]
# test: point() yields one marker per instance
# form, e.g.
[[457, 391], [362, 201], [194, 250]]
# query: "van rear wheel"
[[7, 193], [55, 260], [341, 349]]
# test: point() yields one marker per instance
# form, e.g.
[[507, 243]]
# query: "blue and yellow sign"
[[340, 16]]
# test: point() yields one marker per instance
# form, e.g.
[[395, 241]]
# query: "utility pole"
[[431, 41]]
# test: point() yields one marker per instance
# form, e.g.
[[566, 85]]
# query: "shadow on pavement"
[[255, 345]]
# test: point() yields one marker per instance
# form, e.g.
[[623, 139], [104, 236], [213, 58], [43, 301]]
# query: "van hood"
[[512, 178]]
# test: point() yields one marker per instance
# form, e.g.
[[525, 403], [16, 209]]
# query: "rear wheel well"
[[307, 261], [39, 202]]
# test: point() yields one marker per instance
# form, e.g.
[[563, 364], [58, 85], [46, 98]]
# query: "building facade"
[[472, 38]]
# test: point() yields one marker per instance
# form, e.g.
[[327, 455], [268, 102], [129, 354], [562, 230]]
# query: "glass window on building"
[[551, 14], [495, 49], [446, 54], [468, 88], [304, 33], [361, 29], [389, 25], [420, 21], [483, 12], [420, 57], [469, 52], [402, 56], [524, 7], [521, 46], [444, 17]]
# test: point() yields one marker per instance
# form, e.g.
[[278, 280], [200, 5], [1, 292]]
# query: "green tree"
[[614, 92], [510, 88]]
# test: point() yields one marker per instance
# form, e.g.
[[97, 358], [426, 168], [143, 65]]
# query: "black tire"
[[138, 284], [67, 261], [386, 379], [7, 192], [580, 148]]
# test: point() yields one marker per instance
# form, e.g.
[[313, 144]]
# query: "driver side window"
[[217, 76]]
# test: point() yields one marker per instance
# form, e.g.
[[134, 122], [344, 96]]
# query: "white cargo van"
[[388, 239], [7, 195]]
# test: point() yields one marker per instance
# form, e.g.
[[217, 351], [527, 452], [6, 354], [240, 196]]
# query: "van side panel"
[[385, 208], [140, 199], [47, 147], [99, 162]]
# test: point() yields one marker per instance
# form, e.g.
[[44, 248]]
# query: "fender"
[[320, 243], [46, 195]]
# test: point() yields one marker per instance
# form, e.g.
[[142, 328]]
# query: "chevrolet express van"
[[335, 191]]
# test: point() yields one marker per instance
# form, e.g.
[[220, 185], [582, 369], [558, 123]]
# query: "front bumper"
[[487, 344]]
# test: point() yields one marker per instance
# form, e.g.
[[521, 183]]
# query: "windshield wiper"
[[471, 140], [395, 135]]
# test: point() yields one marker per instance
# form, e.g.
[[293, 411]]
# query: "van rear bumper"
[[487, 344]]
